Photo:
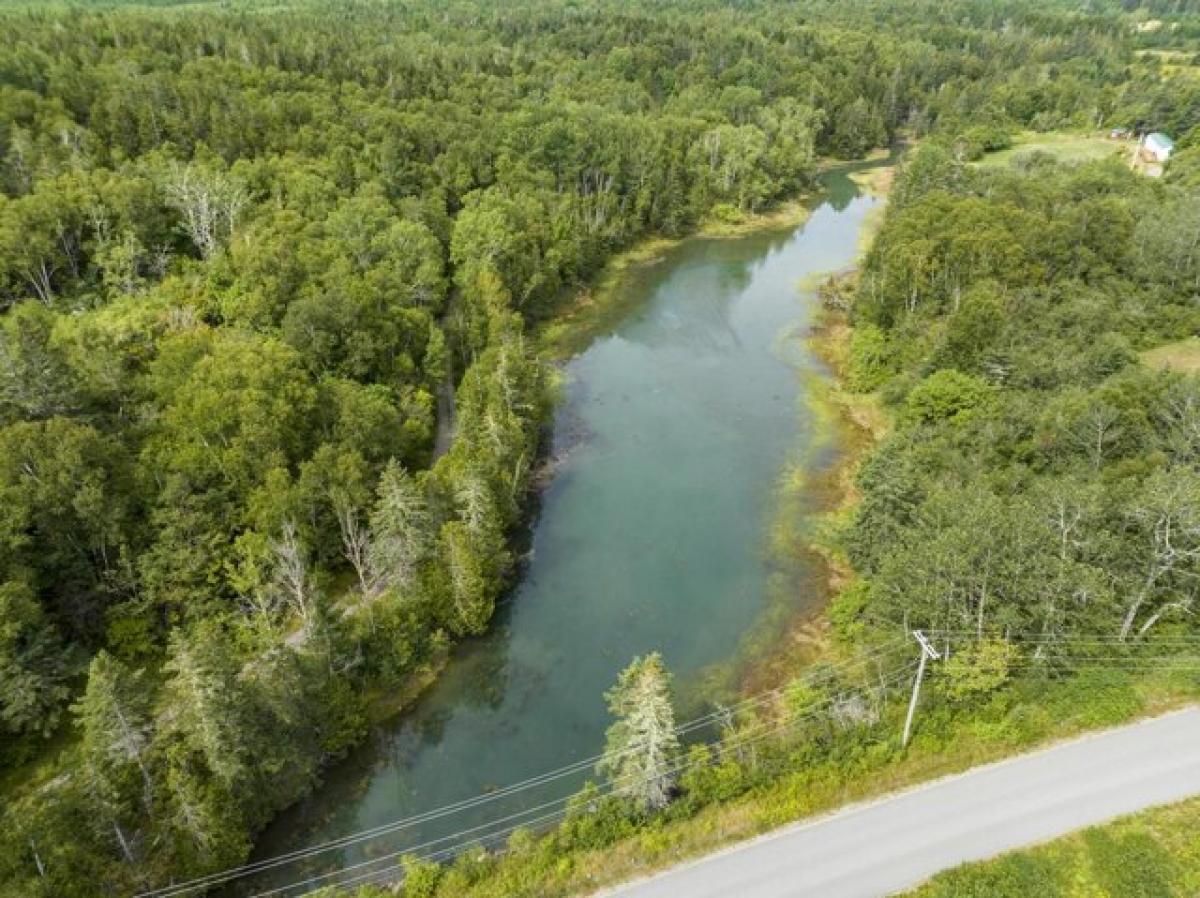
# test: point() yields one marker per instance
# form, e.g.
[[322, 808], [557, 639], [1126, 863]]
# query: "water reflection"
[[651, 536]]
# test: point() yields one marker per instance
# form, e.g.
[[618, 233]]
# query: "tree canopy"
[[245, 247]]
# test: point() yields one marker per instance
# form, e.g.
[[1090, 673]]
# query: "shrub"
[[947, 395], [869, 359]]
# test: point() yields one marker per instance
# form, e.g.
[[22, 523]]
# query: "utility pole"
[[927, 652]]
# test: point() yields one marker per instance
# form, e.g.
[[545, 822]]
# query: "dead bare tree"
[[291, 584], [1095, 431], [210, 204], [356, 546], [1169, 517]]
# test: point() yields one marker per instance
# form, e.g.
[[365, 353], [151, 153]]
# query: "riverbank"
[[602, 303], [598, 304], [813, 507], [849, 424]]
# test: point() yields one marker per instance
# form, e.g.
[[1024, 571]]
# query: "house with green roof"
[[1157, 147]]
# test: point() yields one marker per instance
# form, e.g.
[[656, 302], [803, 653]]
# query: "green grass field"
[[1154, 854], [1183, 355], [1065, 147], [1172, 63]]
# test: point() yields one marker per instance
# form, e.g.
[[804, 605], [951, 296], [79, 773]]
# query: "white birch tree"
[[291, 583], [1166, 524], [209, 204]]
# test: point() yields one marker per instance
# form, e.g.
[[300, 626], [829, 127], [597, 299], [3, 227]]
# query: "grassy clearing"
[[1172, 63], [1065, 147], [1154, 854], [1183, 355]]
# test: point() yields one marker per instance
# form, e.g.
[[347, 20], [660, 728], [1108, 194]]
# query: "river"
[[674, 431]]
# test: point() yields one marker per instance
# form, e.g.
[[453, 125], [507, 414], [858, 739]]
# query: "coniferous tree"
[[116, 720], [32, 689], [642, 747], [399, 538]]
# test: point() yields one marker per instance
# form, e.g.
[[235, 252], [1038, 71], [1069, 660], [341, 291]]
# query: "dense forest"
[[1042, 479], [251, 257]]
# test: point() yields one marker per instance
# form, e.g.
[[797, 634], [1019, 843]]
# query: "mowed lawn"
[[1063, 146]]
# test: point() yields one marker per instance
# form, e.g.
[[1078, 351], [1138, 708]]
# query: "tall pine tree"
[[642, 748]]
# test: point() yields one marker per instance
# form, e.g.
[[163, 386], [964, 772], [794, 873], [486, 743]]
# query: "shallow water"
[[652, 535]]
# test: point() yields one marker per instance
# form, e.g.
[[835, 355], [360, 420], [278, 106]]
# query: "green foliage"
[[946, 395], [32, 670], [707, 780], [870, 358], [978, 670], [241, 254], [1035, 460], [65, 488], [980, 139], [420, 877], [595, 821]]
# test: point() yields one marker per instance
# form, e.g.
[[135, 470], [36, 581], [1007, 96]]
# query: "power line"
[[885, 649], [1164, 663], [882, 651], [1016, 636], [739, 741], [812, 713], [1043, 638], [735, 744], [1123, 662]]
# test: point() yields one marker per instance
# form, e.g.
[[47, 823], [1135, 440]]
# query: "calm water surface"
[[652, 534]]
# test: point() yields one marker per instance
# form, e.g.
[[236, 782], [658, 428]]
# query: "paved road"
[[887, 846]]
